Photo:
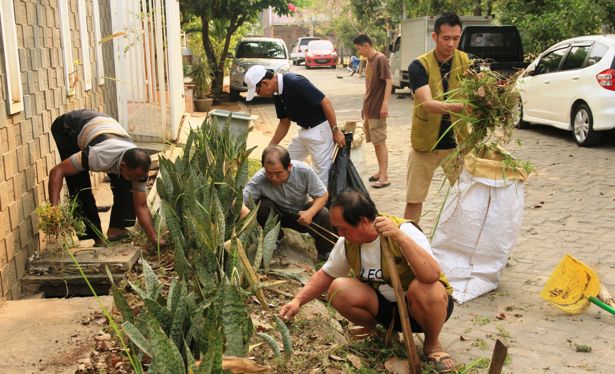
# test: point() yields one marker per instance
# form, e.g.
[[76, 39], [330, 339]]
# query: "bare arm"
[[425, 268], [423, 97], [318, 283], [327, 108], [384, 109], [139, 199], [280, 131], [306, 216], [56, 178]]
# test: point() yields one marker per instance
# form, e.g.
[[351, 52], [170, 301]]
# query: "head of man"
[[353, 214], [446, 34], [260, 81], [276, 162], [135, 165], [363, 44]]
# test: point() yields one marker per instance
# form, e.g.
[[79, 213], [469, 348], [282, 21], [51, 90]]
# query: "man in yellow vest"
[[367, 299], [432, 76]]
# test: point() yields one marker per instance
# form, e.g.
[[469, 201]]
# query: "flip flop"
[[380, 184], [437, 359], [119, 237], [373, 178]]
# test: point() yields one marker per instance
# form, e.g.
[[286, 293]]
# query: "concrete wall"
[[27, 149]]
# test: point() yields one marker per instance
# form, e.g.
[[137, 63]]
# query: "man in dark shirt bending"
[[297, 99], [432, 76]]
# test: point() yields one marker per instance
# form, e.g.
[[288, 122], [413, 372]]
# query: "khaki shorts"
[[421, 167], [375, 130]]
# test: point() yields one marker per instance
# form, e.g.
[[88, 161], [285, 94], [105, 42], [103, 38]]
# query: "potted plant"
[[201, 78]]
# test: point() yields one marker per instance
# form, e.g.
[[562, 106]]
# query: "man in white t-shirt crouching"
[[368, 299]]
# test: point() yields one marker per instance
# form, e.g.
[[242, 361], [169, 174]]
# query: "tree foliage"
[[224, 17], [546, 22]]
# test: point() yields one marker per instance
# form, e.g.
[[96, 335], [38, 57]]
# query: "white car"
[[297, 49], [269, 52], [571, 86]]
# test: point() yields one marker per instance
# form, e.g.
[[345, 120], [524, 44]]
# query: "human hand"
[[387, 228], [384, 111], [160, 243], [289, 310], [305, 218], [339, 139]]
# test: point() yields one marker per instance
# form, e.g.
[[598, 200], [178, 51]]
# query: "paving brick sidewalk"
[[569, 208]]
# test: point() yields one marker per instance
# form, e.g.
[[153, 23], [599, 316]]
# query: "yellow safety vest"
[[353, 255], [426, 126]]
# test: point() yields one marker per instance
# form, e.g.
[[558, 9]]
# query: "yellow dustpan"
[[572, 286]]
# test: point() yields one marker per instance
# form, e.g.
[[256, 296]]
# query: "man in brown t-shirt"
[[375, 111]]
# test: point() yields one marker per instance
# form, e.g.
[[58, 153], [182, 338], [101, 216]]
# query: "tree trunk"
[[478, 8], [212, 60]]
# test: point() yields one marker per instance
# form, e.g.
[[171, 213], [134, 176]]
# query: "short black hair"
[[268, 74], [137, 158], [447, 18], [275, 153], [362, 39], [355, 205]]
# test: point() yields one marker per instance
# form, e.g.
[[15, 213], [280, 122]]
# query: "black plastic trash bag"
[[343, 175]]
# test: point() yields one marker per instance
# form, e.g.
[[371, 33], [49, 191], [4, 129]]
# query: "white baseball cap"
[[253, 76]]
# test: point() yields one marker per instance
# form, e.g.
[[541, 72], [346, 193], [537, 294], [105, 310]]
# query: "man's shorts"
[[421, 167], [375, 130], [388, 309]]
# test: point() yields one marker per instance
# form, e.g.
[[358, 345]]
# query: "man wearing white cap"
[[297, 99]]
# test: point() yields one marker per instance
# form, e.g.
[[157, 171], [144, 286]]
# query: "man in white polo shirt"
[[92, 141]]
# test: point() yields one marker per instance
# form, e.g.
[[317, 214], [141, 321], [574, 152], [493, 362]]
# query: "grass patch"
[[481, 320]]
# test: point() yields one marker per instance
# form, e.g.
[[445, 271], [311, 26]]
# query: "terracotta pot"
[[202, 105]]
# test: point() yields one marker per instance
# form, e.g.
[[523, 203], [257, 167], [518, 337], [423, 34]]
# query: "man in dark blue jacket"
[[297, 99]]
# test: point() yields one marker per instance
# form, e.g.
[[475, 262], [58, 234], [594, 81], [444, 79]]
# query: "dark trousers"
[[290, 220], [80, 186]]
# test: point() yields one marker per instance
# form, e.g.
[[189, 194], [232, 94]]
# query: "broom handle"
[[402, 308], [602, 305]]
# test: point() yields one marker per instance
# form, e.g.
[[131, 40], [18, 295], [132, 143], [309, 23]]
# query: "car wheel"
[[235, 95], [307, 67], [583, 127], [521, 124]]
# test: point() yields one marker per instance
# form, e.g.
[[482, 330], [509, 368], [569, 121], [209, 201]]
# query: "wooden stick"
[[499, 356], [402, 308], [321, 235], [333, 235], [337, 149]]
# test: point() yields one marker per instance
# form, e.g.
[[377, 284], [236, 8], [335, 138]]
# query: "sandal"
[[373, 178], [437, 359], [381, 184]]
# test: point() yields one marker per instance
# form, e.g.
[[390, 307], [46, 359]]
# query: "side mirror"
[[230, 55]]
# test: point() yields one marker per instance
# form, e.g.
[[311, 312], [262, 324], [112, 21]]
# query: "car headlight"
[[239, 69]]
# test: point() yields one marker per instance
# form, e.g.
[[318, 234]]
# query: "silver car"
[[268, 52]]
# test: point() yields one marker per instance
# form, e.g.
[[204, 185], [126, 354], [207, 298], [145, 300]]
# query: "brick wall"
[[27, 149]]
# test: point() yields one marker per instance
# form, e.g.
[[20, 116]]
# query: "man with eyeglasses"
[[297, 99], [294, 192], [92, 141]]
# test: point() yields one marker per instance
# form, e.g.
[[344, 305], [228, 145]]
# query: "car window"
[[320, 45], [550, 62], [306, 41], [490, 39], [260, 49], [595, 55], [576, 57]]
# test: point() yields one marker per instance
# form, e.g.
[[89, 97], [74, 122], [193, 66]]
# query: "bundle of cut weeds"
[[493, 111], [60, 223]]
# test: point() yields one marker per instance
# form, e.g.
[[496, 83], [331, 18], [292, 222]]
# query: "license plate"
[[322, 61]]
